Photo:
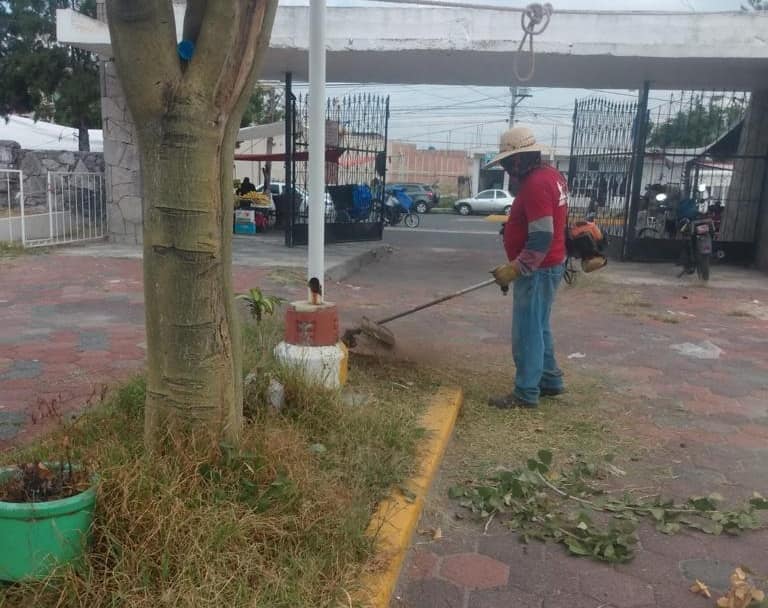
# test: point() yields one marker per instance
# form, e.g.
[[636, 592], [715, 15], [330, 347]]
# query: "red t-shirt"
[[543, 193]]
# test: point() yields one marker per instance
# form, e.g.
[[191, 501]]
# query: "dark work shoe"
[[551, 392], [508, 402]]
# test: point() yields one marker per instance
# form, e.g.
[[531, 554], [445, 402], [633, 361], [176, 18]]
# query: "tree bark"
[[83, 138], [186, 115]]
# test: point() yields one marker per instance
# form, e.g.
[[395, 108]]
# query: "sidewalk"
[[72, 319], [682, 368], [260, 251]]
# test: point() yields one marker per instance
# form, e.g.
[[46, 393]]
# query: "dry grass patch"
[[278, 521], [584, 421]]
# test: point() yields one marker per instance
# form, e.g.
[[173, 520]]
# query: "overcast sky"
[[472, 118]]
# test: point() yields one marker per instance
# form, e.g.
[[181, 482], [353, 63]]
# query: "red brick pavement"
[[68, 324]]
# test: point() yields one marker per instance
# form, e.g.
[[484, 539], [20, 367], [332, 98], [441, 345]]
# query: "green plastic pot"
[[37, 537]]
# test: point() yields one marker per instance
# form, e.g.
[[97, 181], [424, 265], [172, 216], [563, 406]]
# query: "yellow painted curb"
[[394, 522], [498, 219]]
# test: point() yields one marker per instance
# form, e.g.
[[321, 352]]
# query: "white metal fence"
[[67, 208], [75, 211], [11, 197]]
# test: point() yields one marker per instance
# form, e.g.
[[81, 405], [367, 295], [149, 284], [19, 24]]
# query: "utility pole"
[[518, 94]]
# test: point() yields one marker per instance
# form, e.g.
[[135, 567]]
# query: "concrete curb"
[[395, 519], [341, 271]]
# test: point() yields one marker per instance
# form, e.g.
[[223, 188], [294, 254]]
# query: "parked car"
[[424, 197], [487, 201], [278, 188]]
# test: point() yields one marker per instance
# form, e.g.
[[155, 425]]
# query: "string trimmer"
[[383, 335]]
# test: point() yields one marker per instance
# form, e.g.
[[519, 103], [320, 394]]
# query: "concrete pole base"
[[312, 344], [322, 365]]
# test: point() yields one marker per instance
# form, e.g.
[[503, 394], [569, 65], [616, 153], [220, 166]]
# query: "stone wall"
[[121, 160], [35, 165]]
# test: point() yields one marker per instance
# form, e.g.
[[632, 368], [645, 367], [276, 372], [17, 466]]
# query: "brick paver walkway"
[[697, 391], [68, 327]]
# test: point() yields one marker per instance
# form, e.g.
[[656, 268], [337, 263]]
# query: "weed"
[[288, 277], [10, 250], [741, 313], [259, 304], [634, 300], [664, 318], [575, 422]]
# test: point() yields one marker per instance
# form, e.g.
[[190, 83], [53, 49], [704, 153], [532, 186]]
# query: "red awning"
[[332, 155]]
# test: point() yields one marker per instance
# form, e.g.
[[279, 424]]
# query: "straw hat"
[[516, 141]]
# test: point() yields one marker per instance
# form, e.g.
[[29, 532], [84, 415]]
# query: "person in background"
[[534, 241], [245, 187]]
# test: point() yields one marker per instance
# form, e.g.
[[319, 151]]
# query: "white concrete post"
[[316, 187]]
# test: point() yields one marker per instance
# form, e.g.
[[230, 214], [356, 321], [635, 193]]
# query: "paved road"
[[452, 232]]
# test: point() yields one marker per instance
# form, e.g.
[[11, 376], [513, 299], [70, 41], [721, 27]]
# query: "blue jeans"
[[532, 345]]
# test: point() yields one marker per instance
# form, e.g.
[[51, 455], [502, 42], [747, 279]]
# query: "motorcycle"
[[398, 207], [699, 234]]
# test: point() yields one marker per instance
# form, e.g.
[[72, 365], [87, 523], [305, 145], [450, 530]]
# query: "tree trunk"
[[193, 345], [186, 116], [83, 138]]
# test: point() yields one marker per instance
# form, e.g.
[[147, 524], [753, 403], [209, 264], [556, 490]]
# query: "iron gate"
[[696, 148], [600, 167], [356, 143]]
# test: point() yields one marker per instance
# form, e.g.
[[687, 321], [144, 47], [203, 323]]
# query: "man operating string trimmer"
[[535, 243]]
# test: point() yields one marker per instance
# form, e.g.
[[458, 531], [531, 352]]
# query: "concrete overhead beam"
[[412, 45]]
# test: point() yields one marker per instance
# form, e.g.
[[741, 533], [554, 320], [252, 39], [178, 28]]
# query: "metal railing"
[[11, 205]]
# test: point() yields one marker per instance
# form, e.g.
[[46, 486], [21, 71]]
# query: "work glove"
[[504, 275]]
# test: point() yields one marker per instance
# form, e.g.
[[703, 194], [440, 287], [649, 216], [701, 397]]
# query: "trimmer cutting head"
[[377, 332], [371, 329]]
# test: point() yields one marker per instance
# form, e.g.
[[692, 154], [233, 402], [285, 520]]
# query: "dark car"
[[423, 196]]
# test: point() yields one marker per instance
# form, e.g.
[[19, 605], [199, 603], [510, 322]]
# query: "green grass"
[[278, 522], [10, 250]]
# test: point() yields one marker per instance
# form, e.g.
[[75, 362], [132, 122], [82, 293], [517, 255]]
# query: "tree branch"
[[232, 38], [143, 36], [193, 19]]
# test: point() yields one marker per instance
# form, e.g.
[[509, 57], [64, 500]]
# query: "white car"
[[277, 189], [487, 201]]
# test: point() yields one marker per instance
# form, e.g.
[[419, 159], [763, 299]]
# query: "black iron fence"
[[638, 168], [355, 168], [599, 172]]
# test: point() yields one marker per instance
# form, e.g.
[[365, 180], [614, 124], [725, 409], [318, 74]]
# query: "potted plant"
[[46, 512]]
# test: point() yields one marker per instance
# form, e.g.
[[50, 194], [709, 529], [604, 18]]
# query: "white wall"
[[597, 49]]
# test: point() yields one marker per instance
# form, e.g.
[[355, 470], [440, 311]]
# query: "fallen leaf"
[[701, 589], [437, 534], [723, 602], [758, 595]]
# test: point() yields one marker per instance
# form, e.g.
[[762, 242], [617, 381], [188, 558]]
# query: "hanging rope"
[[534, 20]]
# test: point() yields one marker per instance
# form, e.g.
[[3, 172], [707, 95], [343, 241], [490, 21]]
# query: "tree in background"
[[263, 107], [699, 126], [187, 102], [755, 5], [40, 77]]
